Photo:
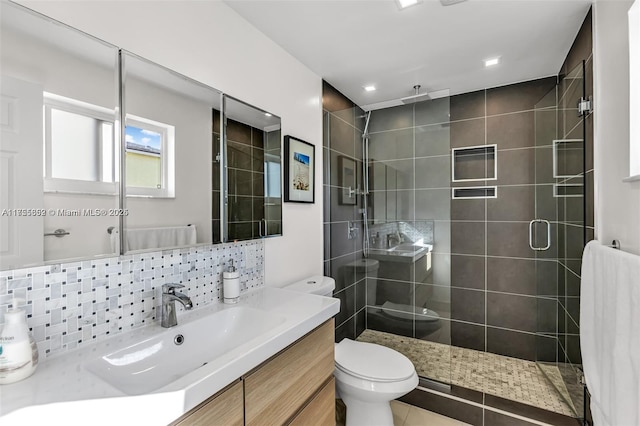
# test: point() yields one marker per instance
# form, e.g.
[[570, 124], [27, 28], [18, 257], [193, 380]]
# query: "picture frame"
[[348, 181], [299, 171]]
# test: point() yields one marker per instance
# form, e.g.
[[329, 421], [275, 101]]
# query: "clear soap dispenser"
[[18, 350], [231, 284]]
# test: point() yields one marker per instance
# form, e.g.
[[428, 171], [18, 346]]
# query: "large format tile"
[[515, 130], [512, 311], [468, 105], [468, 133], [432, 140], [519, 96]]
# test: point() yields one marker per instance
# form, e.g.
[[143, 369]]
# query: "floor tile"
[[510, 378], [400, 411], [420, 417]]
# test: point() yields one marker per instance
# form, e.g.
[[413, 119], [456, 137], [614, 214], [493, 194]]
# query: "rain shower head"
[[416, 97]]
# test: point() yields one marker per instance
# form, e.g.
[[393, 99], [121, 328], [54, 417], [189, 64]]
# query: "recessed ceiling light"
[[491, 62], [267, 114], [403, 4], [370, 88]]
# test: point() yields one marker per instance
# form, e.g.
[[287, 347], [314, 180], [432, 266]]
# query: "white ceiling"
[[352, 44]]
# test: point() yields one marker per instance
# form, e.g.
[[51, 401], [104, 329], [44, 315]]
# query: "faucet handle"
[[170, 288]]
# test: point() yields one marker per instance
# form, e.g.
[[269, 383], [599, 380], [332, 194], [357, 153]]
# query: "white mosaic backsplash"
[[74, 304]]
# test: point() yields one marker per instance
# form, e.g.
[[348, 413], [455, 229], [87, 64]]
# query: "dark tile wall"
[[248, 209], [575, 212], [494, 299], [410, 179], [491, 291], [343, 123]]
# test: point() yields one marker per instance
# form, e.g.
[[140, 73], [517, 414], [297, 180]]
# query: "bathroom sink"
[[170, 353], [406, 252], [408, 248]]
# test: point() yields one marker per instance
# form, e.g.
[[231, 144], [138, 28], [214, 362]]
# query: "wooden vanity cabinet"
[[280, 387], [225, 408], [295, 387]]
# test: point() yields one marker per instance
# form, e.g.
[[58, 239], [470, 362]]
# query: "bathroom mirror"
[[170, 147], [58, 146], [62, 147], [253, 205]]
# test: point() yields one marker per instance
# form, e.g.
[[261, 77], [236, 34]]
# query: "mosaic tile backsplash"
[[70, 305]]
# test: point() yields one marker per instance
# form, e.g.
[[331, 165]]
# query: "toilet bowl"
[[368, 376]]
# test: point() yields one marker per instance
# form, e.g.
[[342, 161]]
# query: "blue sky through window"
[[143, 137]]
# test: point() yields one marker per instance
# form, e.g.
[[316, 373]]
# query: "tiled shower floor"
[[498, 375]]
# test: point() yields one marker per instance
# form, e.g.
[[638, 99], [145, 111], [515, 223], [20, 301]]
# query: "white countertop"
[[63, 392]]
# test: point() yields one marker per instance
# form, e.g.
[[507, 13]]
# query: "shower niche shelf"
[[474, 163], [473, 192]]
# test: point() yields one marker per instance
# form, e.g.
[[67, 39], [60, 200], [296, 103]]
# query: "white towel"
[[148, 238], [610, 334]]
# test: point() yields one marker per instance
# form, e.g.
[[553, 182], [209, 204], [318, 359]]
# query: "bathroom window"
[[150, 167], [79, 148]]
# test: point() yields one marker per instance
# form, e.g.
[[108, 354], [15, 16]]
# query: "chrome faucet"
[[169, 296], [394, 237]]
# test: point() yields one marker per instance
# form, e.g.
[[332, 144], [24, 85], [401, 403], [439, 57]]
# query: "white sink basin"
[[147, 365]]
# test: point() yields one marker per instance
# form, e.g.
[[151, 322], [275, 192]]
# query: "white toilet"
[[368, 376]]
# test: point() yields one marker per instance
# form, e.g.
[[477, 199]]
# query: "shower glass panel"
[[409, 234], [559, 225]]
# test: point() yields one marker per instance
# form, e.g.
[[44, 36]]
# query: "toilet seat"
[[372, 362]]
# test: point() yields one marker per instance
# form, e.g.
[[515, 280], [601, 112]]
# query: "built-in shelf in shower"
[[474, 192], [568, 158], [474, 163]]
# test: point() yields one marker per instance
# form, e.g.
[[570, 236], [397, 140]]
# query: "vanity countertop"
[[63, 391]]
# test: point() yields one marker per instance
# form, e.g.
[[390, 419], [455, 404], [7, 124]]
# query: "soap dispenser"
[[231, 284], [18, 350]]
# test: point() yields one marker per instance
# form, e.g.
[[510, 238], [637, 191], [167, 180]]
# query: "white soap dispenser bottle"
[[18, 350], [231, 284]]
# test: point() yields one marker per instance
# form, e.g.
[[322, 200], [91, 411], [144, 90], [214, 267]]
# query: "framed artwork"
[[299, 171], [347, 179]]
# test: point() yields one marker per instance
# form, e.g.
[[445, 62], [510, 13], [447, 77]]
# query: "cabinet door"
[[223, 409], [279, 389], [321, 410]]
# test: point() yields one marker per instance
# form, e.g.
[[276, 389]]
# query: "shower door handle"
[[531, 236]]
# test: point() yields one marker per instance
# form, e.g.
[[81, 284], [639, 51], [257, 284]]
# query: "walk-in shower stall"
[[454, 229]]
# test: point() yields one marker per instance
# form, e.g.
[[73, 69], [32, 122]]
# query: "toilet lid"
[[372, 362]]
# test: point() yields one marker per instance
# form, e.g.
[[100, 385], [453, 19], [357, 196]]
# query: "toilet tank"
[[316, 284]]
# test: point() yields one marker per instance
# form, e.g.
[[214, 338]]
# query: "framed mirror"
[[58, 145], [253, 205], [170, 146]]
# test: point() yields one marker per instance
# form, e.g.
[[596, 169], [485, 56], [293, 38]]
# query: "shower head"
[[417, 97]]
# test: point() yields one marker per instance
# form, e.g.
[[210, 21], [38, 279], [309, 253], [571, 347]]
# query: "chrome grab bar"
[[531, 226], [57, 233]]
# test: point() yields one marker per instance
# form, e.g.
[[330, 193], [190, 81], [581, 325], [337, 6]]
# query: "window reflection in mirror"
[[254, 206], [58, 148], [169, 143]]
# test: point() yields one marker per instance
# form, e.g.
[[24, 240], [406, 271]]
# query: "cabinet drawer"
[[278, 389], [224, 409], [321, 410]]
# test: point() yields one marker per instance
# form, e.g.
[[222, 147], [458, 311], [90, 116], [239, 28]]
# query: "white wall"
[[617, 203], [209, 42], [193, 122]]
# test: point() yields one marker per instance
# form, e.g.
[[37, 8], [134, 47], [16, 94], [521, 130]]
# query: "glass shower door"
[[557, 234]]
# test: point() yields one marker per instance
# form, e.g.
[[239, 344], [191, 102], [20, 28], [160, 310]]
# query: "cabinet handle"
[[263, 234]]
